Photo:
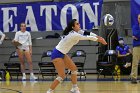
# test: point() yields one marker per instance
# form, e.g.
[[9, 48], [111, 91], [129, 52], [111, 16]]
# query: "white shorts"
[[25, 48]]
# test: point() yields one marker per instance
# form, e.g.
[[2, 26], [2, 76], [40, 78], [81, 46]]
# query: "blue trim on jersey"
[[56, 54]]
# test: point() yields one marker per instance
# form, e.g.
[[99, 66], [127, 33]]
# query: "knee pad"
[[74, 72], [60, 79]]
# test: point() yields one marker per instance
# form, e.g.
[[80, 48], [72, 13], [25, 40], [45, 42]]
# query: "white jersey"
[[71, 39], [23, 37]]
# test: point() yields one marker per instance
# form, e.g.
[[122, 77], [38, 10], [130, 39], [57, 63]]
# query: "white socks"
[[74, 86], [31, 74], [23, 74], [50, 90]]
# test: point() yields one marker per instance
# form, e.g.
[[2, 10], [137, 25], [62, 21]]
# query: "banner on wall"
[[135, 10], [49, 16]]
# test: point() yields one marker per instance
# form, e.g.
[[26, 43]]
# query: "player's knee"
[[60, 78]]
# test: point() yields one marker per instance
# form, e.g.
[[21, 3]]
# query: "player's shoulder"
[[18, 32], [74, 33], [27, 32]]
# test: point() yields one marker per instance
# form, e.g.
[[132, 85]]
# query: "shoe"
[[49, 91], [75, 90], [23, 78], [134, 81], [32, 77], [127, 65]]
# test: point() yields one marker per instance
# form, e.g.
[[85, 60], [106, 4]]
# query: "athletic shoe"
[[49, 91], [23, 78], [134, 81], [75, 90], [32, 77], [127, 65]]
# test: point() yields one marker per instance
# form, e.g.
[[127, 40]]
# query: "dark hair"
[[69, 27], [120, 38], [22, 23]]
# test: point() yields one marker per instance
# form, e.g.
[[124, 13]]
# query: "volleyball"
[[108, 20]]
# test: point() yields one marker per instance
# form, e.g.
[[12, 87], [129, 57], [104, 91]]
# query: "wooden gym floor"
[[90, 86]]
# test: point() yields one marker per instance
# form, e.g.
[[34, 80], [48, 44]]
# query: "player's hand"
[[16, 43], [127, 54], [101, 40]]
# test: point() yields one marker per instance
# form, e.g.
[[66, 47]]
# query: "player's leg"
[[134, 69], [29, 60], [22, 65], [70, 65], [60, 67]]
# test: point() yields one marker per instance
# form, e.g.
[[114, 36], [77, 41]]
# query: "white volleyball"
[[108, 20]]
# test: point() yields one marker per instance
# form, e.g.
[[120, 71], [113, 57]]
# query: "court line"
[[86, 90], [11, 90], [101, 79]]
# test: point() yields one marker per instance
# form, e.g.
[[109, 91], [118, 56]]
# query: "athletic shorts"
[[24, 48], [56, 54]]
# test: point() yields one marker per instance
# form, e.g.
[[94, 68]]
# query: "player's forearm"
[[121, 55], [101, 40]]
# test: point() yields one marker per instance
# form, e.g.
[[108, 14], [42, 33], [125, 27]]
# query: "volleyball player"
[[72, 35], [23, 37]]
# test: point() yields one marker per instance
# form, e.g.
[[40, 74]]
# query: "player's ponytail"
[[69, 27]]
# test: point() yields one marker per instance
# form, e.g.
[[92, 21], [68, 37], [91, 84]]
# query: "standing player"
[[72, 35], [1, 41], [24, 38], [136, 50]]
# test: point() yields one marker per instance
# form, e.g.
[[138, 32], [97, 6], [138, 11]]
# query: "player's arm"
[[93, 38], [118, 52], [30, 43], [16, 37], [136, 33], [89, 33], [119, 55], [101, 40], [129, 51], [82, 32], [15, 40]]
